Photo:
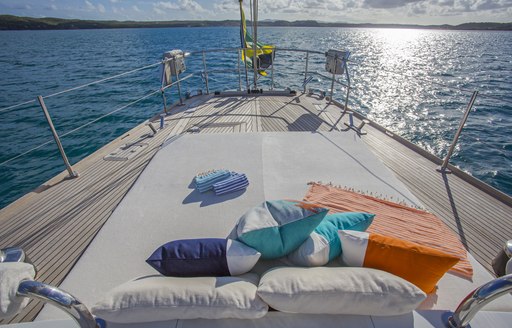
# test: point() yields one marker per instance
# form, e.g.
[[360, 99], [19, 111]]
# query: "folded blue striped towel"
[[205, 181], [237, 181]]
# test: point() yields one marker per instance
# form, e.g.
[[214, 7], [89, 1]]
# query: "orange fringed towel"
[[395, 220]]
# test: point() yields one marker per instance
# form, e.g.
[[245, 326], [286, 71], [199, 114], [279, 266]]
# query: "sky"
[[350, 11]]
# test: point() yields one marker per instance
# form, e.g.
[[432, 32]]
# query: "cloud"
[[443, 2], [17, 6], [312, 9], [388, 3], [166, 5], [135, 8], [183, 5], [89, 6], [226, 6], [52, 7], [115, 1], [493, 5], [319, 9], [309, 7]]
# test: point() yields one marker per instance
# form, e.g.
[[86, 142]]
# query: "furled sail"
[[264, 52]]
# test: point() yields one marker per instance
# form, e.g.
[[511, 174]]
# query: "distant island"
[[10, 22]]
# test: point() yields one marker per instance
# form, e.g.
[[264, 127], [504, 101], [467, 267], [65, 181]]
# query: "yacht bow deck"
[[56, 222]]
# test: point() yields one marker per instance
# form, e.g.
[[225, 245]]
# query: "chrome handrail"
[[477, 299], [40, 291], [12, 254], [61, 299]]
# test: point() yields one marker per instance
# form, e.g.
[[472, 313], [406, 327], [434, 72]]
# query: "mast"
[[254, 41], [242, 40]]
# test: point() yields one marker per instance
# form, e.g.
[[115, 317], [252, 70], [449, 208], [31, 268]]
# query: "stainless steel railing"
[[477, 299], [206, 72], [49, 294]]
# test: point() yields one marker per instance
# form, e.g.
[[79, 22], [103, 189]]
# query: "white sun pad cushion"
[[11, 274], [338, 290], [160, 298]]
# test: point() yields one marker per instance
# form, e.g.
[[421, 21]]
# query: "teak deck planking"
[[55, 223]]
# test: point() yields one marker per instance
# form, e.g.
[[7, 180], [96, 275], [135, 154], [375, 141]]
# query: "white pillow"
[[338, 290], [160, 298], [314, 251], [240, 257], [11, 274]]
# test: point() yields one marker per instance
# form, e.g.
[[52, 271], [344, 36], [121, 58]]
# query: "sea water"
[[414, 82]]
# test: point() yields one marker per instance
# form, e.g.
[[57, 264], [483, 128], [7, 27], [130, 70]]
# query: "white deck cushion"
[[11, 274], [338, 290], [160, 298]]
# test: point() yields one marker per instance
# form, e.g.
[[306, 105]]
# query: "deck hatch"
[[126, 151]]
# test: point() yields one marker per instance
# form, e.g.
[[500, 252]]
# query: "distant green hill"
[[9, 22]]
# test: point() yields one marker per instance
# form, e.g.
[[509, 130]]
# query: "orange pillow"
[[421, 265]]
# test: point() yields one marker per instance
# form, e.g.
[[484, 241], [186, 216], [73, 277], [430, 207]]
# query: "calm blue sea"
[[415, 82]]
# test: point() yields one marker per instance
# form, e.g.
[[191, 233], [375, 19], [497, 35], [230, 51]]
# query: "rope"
[[82, 126]]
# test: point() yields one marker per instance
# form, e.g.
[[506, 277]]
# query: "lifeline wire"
[[102, 80], [82, 126], [110, 113], [156, 64], [24, 153], [82, 86], [440, 84], [17, 105]]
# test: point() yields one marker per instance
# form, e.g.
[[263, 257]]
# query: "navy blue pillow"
[[214, 257], [191, 258]]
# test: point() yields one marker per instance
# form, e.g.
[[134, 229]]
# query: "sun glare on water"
[[396, 80], [399, 44]]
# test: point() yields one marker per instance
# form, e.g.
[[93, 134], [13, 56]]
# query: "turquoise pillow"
[[276, 228], [324, 245]]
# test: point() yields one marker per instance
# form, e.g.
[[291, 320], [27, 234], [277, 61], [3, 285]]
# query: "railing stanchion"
[[333, 77], [254, 43], [164, 99], [444, 167], [306, 70], [72, 174], [345, 108], [178, 81], [205, 74]]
